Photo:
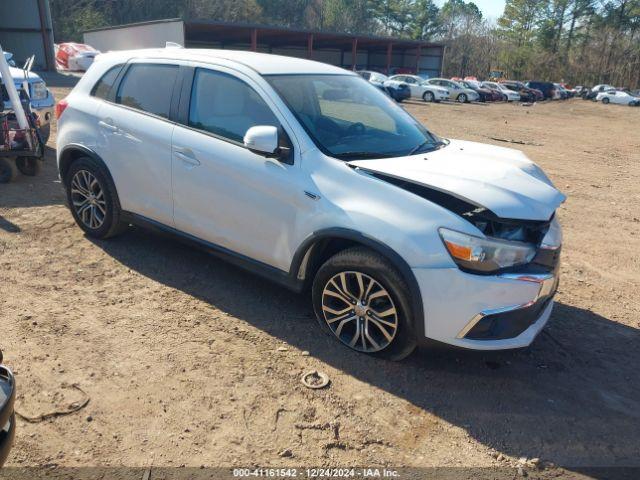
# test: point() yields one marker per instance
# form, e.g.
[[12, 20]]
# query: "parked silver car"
[[457, 92]]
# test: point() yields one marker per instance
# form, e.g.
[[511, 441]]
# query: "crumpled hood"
[[501, 179]]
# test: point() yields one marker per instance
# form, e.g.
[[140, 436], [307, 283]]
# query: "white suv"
[[308, 175]]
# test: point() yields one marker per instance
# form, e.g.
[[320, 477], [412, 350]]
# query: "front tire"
[[92, 199], [462, 98], [605, 100], [429, 97], [361, 299]]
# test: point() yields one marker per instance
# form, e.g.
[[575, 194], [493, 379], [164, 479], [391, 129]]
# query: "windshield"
[[348, 118]]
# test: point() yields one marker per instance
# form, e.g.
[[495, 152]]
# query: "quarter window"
[[148, 87], [103, 86], [226, 106]]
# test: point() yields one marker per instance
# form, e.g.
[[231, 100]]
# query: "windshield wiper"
[[434, 146], [356, 155]]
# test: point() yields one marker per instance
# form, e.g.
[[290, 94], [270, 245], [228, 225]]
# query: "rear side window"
[[226, 106], [148, 87], [102, 88]]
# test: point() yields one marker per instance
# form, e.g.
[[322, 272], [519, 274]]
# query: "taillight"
[[60, 107]]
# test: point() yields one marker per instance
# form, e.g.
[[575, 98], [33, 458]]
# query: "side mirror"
[[262, 139]]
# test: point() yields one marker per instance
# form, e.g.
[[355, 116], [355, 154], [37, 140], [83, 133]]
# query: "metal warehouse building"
[[384, 54], [25, 30]]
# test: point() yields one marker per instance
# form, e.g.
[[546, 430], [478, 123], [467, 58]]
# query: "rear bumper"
[[485, 312], [7, 415]]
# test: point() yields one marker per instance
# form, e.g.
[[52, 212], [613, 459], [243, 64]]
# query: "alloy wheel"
[[359, 311], [88, 199]]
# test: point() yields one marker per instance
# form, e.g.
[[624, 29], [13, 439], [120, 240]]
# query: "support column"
[[354, 52], [418, 55], [310, 46], [47, 44], [389, 49], [254, 40]]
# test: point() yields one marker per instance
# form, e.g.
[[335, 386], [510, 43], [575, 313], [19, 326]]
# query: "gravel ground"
[[190, 361]]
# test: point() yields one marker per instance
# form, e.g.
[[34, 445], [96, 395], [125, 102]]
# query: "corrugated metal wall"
[[26, 29]]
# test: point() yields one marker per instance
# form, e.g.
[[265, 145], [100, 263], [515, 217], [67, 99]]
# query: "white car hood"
[[501, 179], [18, 75]]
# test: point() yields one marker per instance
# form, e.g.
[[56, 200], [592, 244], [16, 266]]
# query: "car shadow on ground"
[[572, 398]]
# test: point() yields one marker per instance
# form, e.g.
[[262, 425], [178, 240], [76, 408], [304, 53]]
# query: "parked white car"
[[421, 89], [457, 92], [399, 91], [603, 87], [310, 176], [512, 96], [619, 97]]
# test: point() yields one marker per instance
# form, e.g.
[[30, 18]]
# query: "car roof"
[[263, 63]]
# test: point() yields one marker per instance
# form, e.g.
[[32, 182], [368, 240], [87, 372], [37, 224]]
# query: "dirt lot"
[[189, 361]]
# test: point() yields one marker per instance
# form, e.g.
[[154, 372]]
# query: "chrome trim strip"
[[547, 282], [479, 316]]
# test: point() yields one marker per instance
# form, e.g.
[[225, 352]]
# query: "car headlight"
[[39, 91], [487, 254]]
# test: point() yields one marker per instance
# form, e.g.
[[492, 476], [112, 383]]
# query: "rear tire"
[[605, 100], [371, 296], [92, 199], [462, 98], [8, 170], [29, 166]]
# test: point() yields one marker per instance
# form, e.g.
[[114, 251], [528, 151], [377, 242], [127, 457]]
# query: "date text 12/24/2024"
[[316, 472]]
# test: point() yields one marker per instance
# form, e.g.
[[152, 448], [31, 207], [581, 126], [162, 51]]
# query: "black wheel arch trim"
[[66, 159], [300, 264]]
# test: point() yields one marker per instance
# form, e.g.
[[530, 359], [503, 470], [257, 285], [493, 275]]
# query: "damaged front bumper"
[[511, 321], [485, 312], [7, 414]]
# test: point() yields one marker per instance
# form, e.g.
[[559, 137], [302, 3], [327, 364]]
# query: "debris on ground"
[[73, 408], [315, 379]]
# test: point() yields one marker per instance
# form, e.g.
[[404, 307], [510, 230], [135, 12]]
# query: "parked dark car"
[[485, 94], [548, 89], [7, 415], [526, 94], [496, 94], [397, 91]]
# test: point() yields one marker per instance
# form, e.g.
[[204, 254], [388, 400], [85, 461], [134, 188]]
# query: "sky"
[[490, 8]]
